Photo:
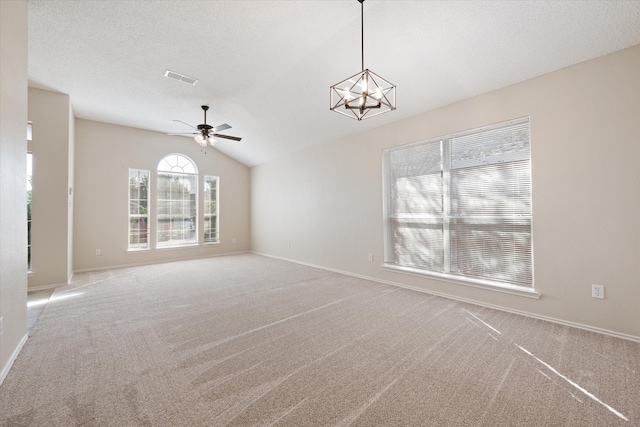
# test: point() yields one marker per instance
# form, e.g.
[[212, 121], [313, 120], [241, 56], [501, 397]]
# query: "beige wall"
[[51, 213], [13, 169], [323, 206], [103, 155]]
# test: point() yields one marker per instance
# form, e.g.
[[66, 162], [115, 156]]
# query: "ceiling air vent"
[[181, 77]]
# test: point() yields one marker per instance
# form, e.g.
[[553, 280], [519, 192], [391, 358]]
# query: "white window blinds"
[[461, 205]]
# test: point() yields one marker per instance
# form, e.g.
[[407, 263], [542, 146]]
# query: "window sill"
[[133, 251], [522, 291], [174, 247]]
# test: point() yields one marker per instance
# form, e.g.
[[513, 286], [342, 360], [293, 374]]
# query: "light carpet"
[[246, 340]]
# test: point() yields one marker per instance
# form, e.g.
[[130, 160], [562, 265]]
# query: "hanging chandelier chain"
[[362, 30], [364, 94]]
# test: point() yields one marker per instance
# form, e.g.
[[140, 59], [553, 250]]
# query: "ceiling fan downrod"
[[204, 128]]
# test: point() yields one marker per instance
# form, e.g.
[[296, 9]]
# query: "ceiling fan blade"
[[235, 138], [220, 128], [185, 123], [183, 134]]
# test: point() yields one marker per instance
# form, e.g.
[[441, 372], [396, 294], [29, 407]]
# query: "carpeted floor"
[[246, 340]]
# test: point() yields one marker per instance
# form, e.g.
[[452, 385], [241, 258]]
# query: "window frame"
[[139, 216], [184, 168], [205, 211], [390, 254]]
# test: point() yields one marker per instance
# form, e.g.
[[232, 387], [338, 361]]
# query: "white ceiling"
[[265, 67]]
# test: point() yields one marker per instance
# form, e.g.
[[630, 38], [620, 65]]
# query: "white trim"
[[161, 261], [46, 287], [174, 247], [521, 291], [137, 250], [14, 356], [50, 286], [589, 328]]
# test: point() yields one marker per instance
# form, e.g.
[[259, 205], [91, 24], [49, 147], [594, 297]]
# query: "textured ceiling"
[[265, 67]]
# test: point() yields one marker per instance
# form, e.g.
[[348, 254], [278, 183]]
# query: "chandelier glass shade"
[[365, 94]]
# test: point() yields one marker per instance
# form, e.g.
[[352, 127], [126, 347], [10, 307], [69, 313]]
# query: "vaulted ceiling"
[[265, 67]]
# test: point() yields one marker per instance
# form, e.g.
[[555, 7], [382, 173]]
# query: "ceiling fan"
[[207, 134]]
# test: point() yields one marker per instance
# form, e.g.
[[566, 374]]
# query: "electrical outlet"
[[98, 252], [597, 291], [370, 257]]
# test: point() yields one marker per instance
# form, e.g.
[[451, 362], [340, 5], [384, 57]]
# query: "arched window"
[[177, 202]]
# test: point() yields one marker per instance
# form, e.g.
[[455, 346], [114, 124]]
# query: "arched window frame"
[[176, 202]]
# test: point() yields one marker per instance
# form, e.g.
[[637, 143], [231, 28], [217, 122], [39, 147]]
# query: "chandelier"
[[365, 94]]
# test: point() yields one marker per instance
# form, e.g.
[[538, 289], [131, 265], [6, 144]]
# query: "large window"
[[211, 209], [177, 198], [138, 209], [459, 207]]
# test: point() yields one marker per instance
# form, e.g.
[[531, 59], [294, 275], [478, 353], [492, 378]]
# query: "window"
[[29, 182], [211, 209], [177, 200], [138, 209], [459, 207]]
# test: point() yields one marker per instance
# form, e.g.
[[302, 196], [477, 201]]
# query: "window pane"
[[418, 244], [138, 212], [177, 202], [502, 144], [210, 229], [415, 160], [418, 194], [461, 204], [211, 209], [138, 233], [492, 249], [498, 189]]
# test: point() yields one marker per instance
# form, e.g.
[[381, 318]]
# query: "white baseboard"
[[139, 264], [470, 301], [50, 286], [45, 287], [14, 356]]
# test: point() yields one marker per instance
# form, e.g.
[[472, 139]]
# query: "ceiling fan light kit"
[[365, 94], [207, 134], [203, 140]]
